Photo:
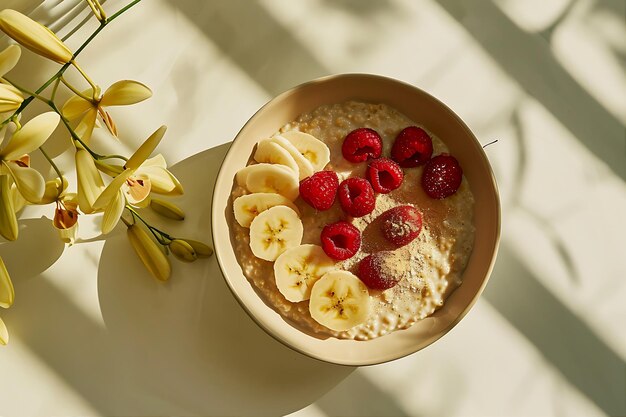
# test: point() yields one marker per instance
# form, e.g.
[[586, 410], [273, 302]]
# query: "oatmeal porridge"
[[372, 225]]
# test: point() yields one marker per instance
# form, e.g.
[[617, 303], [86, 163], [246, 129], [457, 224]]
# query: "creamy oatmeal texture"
[[432, 264]]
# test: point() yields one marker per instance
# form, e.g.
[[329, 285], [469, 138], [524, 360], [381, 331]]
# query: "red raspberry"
[[340, 240], [400, 225], [356, 197], [413, 147], [442, 176], [385, 175], [377, 272], [320, 189], [361, 144]]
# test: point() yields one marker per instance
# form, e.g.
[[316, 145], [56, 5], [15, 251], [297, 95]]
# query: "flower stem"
[[75, 90], [162, 239], [55, 88], [86, 77], [56, 168], [24, 90], [60, 72]]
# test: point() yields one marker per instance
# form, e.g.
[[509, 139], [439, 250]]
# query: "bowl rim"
[[496, 239]]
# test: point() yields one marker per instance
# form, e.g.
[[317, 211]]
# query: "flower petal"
[[125, 92], [112, 189], [8, 220], [68, 235], [34, 36], [156, 161], [90, 183], [113, 212], [86, 125], [18, 201], [29, 182], [4, 333], [137, 189], [31, 136], [76, 106], [146, 149], [7, 293], [10, 98], [9, 58], [163, 182]]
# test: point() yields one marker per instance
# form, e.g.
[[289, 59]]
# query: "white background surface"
[[93, 334]]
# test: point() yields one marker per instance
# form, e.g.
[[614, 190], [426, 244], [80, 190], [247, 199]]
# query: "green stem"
[[94, 89], [60, 72], [93, 154], [75, 90], [24, 90], [163, 236], [56, 168], [55, 88]]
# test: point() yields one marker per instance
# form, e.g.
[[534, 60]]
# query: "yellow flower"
[[66, 218], [7, 295], [13, 157], [8, 219], [121, 93], [134, 184], [90, 183], [34, 36], [10, 97]]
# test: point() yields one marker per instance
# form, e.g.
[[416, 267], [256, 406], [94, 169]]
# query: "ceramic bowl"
[[423, 109]]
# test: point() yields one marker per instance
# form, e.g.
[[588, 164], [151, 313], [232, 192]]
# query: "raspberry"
[[378, 271], [356, 197], [413, 147], [400, 225], [340, 240], [442, 176], [385, 175], [361, 144], [320, 189]]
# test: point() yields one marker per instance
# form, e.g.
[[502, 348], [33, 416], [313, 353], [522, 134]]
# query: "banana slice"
[[339, 301], [298, 268], [248, 206], [273, 153], [270, 178], [310, 147], [305, 167], [274, 231]]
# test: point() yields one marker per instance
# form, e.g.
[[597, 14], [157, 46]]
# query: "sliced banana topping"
[[305, 167], [248, 206], [269, 178], [274, 231], [298, 268], [339, 301], [310, 147], [273, 153]]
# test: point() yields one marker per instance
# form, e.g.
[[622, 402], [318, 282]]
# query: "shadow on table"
[[187, 346]]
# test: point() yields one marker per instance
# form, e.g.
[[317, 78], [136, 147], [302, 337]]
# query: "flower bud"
[[167, 209], [182, 251], [34, 36], [109, 169], [202, 250], [149, 252]]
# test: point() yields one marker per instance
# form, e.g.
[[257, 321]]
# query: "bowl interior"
[[421, 108]]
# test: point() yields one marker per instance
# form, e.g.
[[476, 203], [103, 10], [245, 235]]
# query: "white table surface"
[[93, 334]]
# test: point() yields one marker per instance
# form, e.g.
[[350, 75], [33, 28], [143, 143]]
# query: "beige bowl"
[[418, 106]]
